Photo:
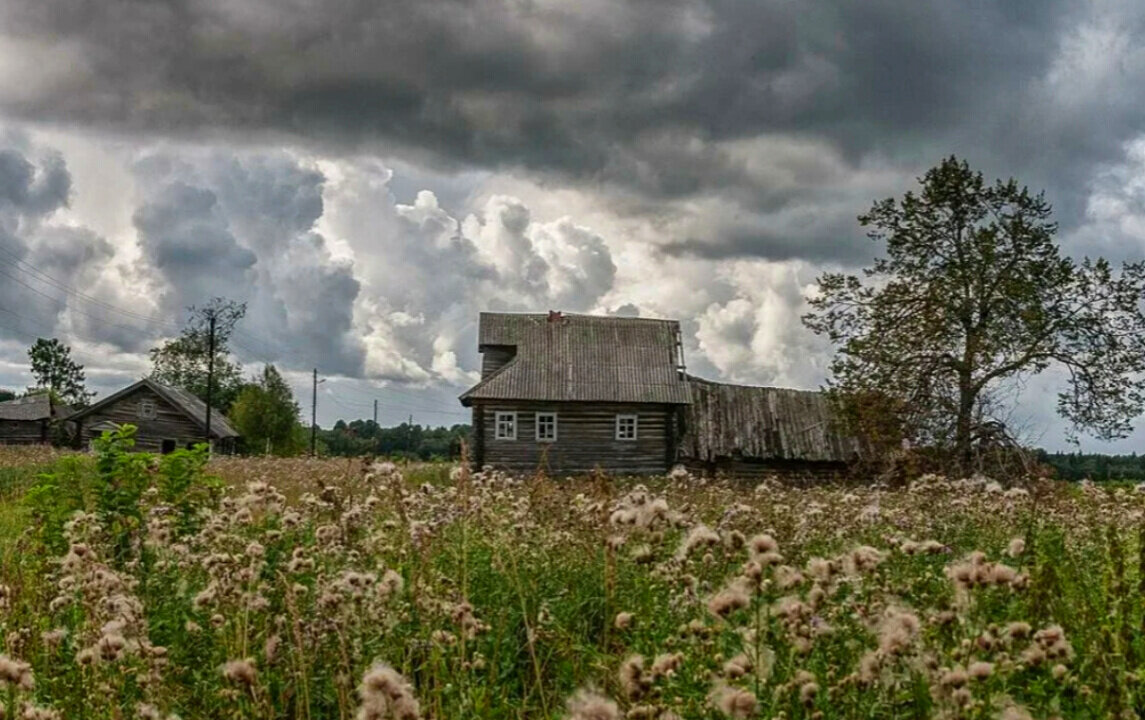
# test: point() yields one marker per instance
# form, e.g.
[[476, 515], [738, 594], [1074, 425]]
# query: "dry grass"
[[323, 589]]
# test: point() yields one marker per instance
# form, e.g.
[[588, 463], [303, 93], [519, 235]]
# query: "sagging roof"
[[590, 358], [188, 404], [31, 408], [762, 423]]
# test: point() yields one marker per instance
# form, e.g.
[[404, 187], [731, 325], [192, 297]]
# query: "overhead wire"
[[32, 272]]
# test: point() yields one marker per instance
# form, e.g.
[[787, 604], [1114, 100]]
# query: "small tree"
[[266, 415], [973, 293], [183, 362], [56, 372]]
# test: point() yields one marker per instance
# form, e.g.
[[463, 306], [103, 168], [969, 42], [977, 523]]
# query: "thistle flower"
[[1016, 547], [386, 695], [16, 673], [666, 664], [762, 544], [980, 670], [241, 672], [807, 692], [588, 705], [623, 620], [632, 679], [735, 703], [897, 630], [699, 536], [728, 600]]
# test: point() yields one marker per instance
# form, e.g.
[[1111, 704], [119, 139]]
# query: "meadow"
[[138, 587]]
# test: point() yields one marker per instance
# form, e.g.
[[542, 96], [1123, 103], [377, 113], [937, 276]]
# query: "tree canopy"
[[266, 415], [56, 372], [183, 361], [972, 294]]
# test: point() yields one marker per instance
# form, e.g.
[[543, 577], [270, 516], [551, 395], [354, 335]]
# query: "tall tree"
[[184, 361], [6, 395], [56, 372], [973, 294], [266, 415]]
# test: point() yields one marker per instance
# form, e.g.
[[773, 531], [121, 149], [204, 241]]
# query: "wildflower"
[[386, 694], [863, 559], [391, 584], [1059, 671], [632, 679], [897, 630], [807, 693], [15, 673], [1015, 712], [733, 702], [980, 670], [819, 568], [241, 671], [666, 664], [699, 536], [1016, 547], [588, 705], [1018, 629], [737, 667], [763, 544], [955, 678], [623, 620], [728, 600]]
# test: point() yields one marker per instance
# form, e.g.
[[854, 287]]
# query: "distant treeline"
[[365, 437], [1095, 466]]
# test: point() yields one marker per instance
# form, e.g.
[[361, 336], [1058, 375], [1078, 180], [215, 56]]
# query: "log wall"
[[586, 439], [169, 423], [23, 432]]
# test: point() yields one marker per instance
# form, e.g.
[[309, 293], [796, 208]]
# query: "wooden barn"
[[750, 431], [28, 420], [167, 418], [572, 393]]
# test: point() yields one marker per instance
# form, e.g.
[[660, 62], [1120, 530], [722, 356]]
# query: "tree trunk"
[[962, 440]]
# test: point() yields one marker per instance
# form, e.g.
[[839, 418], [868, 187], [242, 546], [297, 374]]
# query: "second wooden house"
[[166, 418]]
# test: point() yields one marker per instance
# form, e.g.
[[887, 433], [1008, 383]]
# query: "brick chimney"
[[556, 316]]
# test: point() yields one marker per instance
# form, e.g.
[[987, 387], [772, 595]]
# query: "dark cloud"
[[648, 97]]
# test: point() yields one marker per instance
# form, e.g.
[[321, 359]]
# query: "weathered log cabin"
[[572, 393], [28, 420], [166, 418], [750, 431]]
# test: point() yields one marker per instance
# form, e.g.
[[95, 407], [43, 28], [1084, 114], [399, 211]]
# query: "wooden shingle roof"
[[30, 408], [185, 402], [583, 358], [763, 423]]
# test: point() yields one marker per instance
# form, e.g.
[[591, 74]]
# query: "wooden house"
[[572, 393], [167, 418], [28, 420]]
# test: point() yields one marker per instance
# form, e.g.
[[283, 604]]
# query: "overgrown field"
[[138, 588]]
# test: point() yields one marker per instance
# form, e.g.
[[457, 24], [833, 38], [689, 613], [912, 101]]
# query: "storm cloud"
[[368, 176]]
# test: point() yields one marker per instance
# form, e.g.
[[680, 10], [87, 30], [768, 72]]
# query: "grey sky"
[[368, 176]]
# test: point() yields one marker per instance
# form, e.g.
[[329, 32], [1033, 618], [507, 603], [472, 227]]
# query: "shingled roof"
[[762, 423], [583, 358], [188, 404], [30, 408]]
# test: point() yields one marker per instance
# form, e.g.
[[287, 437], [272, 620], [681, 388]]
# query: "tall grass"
[[328, 589]]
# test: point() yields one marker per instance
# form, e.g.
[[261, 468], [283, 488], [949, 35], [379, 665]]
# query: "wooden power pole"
[[314, 417], [210, 375]]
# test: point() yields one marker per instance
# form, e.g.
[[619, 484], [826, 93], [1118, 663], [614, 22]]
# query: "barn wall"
[[169, 423], [586, 438], [794, 472], [23, 432]]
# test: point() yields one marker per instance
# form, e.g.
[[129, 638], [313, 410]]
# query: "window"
[[625, 427], [546, 427], [147, 409], [168, 447], [506, 426]]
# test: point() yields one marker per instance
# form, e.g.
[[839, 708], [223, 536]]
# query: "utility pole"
[[375, 412], [314, 417], [210, 374]]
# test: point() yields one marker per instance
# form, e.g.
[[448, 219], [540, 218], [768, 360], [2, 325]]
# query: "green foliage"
[[7, 395], [56, 495], [184, 485], [56, 372], [266, 416], [973, 293], [183, 362], [415, 442]]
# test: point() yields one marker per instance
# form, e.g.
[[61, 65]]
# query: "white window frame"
[[497, 416], [537, 424], [621, 420], [147, 409]]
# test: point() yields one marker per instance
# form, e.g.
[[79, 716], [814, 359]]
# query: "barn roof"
[[763, 423], [185, 402], [583, 358], [31, 408]]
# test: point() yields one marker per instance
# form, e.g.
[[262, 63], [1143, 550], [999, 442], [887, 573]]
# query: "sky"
[[369, 176]]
